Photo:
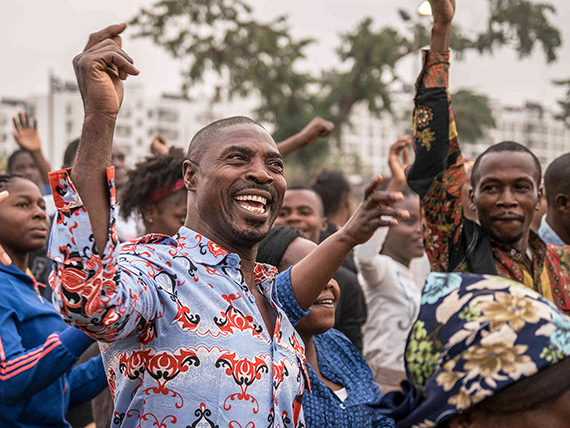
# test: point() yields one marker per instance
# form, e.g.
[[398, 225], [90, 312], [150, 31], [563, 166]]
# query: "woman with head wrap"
[[340, 379], [485, 352], [155, 192]]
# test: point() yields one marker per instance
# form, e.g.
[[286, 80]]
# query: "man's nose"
[[259, 174], [507, 198]]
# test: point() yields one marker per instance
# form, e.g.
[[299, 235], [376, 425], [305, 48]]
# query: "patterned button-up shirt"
[[454, 243], [183, 342]]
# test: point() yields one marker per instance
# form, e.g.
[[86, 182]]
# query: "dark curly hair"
[[153, 174], [7, 178]]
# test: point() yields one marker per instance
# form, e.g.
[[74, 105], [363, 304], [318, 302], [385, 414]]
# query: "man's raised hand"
[[315, 129], [375, 211], [25, 132], [100, 70], [398, 162], [159, 146]]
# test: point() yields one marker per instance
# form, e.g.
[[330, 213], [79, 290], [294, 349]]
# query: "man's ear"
[[472, 200], [323, 224], [190, 171], [562, 202], [540, 196]]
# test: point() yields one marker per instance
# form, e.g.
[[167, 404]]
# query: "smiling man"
[[194, 332], [303, 209], [505, 190]]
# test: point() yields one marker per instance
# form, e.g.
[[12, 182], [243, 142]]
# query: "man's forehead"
[[302, 197], [243, 134], [507, 165]]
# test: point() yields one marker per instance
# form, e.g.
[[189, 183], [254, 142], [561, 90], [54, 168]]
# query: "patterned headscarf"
[[475, 335]]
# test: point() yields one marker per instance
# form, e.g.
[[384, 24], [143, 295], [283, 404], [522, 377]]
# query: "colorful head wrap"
[[475, 335], [162, 193]]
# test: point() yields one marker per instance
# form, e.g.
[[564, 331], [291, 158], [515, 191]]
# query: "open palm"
[[25, 132]]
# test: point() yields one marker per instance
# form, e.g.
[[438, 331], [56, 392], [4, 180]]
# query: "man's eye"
[[22, 204], [278, 165], [237, 156]]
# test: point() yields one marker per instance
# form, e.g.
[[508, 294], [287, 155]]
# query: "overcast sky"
[[39, 35]]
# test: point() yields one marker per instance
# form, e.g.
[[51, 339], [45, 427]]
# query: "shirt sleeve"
[[25, 372], [286, 298], [105, 298], [86, 381], [438, 172], [370, 265]]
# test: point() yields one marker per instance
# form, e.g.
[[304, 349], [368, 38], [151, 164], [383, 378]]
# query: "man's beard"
[[254, 234]]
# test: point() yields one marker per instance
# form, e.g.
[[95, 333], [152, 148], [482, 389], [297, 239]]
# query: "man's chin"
[[252, 233], [507, 238]]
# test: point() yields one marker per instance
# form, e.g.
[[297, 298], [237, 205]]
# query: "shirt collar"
[[205, 251], [202, 249], [547, 233]]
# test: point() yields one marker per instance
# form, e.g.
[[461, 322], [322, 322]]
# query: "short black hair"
[[153, 174], [272, 248], [332, 187], [557, 177], [505, 146], [70, 153], [12, 159], [309, 189], [204, 136]]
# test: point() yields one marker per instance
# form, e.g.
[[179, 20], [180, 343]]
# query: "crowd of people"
[[195, 289]]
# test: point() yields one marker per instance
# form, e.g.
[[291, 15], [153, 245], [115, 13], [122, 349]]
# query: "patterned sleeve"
[[438, 173], [286, 298], [95, 293]]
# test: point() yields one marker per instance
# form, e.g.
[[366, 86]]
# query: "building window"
[[123, 131], [167, 115]]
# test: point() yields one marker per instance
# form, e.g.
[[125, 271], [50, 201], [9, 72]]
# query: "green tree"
[[564, 104], [223, 38], [472, 115]]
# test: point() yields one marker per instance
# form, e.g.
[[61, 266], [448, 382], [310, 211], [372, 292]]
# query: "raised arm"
[[366, 255], [100, 70], [437, 173], [310, 275], [26, 135], [94, 290], [316, 128], [398, 166]]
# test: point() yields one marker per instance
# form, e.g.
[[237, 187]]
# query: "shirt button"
[[251, 298]]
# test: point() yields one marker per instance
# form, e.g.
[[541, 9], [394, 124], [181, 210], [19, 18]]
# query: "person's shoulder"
[[560, 252], [10, 288]]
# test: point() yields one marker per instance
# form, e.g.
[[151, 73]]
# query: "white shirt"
[[392, 292]]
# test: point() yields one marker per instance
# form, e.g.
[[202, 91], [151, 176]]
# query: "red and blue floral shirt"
[[183, 342]]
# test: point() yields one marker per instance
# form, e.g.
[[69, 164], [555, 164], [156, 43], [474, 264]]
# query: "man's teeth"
[[253, 198], [325, 302], [254, 209]]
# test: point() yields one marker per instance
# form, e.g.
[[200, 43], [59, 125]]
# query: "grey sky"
[[36, 36]]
